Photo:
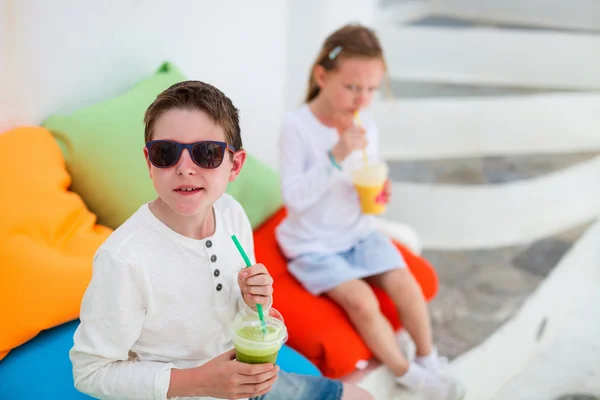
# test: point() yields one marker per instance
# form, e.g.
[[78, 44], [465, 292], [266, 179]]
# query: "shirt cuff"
[[332, 161], [162, 382]]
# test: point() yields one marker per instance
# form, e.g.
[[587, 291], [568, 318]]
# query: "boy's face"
[[186, 126]]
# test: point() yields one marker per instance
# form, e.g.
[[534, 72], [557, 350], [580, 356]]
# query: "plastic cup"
[[252, 346], [369, 181]]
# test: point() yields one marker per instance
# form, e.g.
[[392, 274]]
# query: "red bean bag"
[[318, 328]]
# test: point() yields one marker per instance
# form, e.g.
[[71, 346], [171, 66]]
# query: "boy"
[[167, 284]]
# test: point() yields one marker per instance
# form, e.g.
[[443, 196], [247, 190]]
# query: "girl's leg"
[[358, 300], [406, 294]]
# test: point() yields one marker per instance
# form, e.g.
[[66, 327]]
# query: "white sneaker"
[[441, 367], [431, 385], [433, 361], [444, 387]]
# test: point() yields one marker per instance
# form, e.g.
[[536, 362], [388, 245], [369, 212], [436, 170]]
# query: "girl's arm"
[[302, 185]]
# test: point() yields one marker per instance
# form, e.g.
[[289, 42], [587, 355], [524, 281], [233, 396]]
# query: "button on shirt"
[[158, 300]]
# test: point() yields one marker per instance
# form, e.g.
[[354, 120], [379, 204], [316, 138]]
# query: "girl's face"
[[352, 85]]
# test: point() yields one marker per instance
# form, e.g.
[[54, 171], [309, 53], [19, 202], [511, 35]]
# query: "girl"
[[333, 248]]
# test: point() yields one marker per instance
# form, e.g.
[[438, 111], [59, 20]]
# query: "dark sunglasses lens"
[[163, 154], [208, 154]]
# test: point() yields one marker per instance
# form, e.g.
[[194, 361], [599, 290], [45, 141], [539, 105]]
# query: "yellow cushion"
[[47, 238]]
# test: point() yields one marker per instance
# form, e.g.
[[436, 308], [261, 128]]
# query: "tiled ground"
[[481, 289]]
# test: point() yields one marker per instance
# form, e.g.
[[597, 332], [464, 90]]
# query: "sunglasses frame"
[[190, 149]]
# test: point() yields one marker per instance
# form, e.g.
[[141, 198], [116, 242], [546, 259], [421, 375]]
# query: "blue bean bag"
[[290, 360], [41, 369]]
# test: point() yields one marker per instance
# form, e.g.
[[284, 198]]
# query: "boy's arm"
[[301, 188], [112, 315]]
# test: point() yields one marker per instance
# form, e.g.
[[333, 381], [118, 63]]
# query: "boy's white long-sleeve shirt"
[[323, 210], [158, 300]]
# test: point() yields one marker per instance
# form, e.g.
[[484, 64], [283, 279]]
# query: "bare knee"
[[356, 298], [352, 392], [400, 280]]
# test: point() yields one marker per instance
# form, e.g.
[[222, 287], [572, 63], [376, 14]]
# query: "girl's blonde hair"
[[351, 40]]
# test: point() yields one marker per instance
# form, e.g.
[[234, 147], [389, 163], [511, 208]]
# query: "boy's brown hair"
[[196, 95], [351, 40]]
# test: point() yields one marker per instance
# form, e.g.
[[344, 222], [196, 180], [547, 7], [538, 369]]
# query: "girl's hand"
[[351, 139], [386, 194]]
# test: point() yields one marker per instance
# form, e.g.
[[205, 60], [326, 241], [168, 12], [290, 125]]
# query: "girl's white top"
[[324, 214]]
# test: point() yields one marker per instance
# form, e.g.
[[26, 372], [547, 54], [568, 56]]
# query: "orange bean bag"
[[47, 238], [335, 347]]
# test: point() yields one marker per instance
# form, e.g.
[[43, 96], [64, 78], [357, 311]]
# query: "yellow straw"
[[358, 124]]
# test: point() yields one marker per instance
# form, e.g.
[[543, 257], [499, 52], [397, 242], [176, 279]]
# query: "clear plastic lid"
[[246, 329], [372, 174]]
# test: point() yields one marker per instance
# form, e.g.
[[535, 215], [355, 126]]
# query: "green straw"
[[248, 263]]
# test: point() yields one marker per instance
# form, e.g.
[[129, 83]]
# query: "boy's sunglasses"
[[208, 154]]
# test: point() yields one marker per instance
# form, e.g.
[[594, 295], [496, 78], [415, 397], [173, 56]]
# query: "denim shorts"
[[303, 387], [373, 255]]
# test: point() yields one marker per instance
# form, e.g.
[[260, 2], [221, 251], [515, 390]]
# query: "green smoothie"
[[257, 348]]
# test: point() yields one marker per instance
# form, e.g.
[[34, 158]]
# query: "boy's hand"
[[256, 285], [225, 378]]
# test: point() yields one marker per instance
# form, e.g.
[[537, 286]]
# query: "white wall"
[[65, 54], [490, 56], [500, 215], [62, 55], [477, 126], [5, 28]]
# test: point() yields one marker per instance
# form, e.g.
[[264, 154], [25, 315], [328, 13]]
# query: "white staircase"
[[520, 360]]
